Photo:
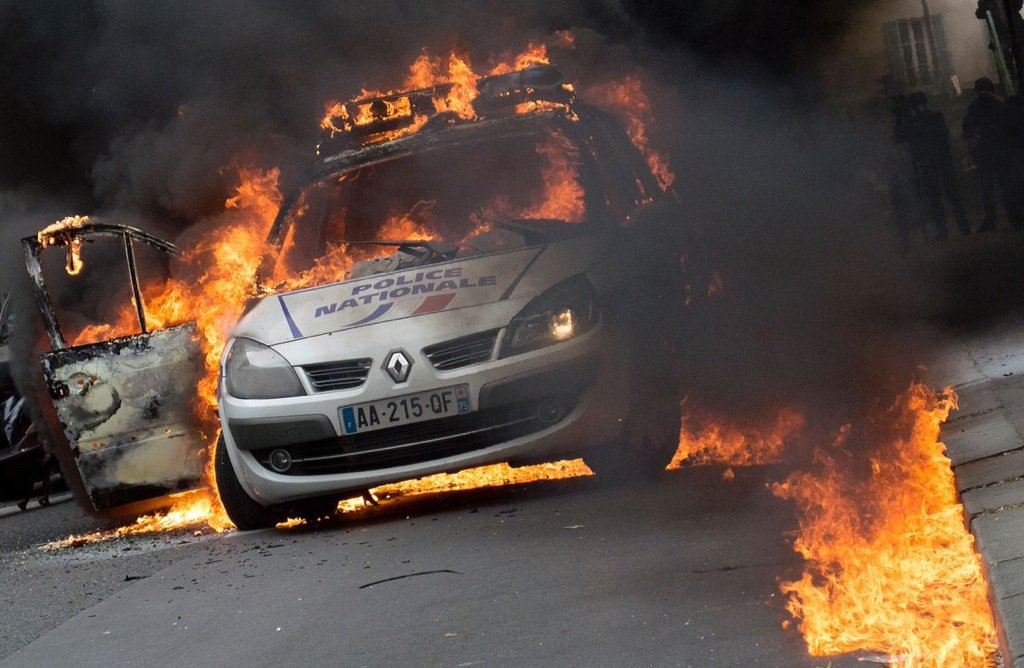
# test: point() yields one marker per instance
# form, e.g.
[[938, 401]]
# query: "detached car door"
[[124, 405]]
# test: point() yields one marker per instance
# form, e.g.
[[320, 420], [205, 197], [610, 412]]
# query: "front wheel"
[[649, 440], [246, 514]]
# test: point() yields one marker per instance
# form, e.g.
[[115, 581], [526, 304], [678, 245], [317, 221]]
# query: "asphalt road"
[[682, 572]]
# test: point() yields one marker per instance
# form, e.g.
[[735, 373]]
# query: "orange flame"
[[459, 99], [562, 198], [627, 97], [484, 476], [333, 112], [708, 440], [410, 226], [455, 88], [536, 53], [46, 238], [890, 566]]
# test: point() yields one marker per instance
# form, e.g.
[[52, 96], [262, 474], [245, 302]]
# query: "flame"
[[48, 237], [415, 225], [334, 111], [495, 475], [45, 236], [565, 39], [386, 110], [562, 198], [225, 262], [456, 70], [711, 440], [196, 511], [536, 53], [890, 567], [459, 99], [74, 262], [454, 84], [627, 97]]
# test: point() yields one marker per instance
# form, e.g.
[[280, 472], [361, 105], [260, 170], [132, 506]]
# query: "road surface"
[[682, 572]]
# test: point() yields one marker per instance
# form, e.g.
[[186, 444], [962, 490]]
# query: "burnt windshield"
[[490, 194]]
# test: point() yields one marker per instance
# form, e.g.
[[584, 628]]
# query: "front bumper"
[[542, 405]]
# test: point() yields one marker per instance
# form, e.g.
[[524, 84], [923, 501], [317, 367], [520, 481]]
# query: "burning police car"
[[514, 292]]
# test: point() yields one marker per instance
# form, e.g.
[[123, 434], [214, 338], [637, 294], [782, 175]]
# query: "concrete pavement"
[[683, 572], [985, 442]]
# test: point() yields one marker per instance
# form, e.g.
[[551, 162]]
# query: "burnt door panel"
[[126, 432], [126, 408]]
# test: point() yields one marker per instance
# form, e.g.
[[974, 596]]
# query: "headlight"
[[255, 371], [563, 312]]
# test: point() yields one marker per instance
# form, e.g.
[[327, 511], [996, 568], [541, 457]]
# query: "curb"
[[985, 443]]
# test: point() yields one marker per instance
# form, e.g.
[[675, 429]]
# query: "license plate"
[[406, 409]]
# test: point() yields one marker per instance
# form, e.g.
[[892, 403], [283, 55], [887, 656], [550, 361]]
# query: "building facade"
[[899, 46]]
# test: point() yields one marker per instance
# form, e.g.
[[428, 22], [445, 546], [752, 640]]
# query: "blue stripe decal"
[[508, 292], [288, 318], [381, 310]]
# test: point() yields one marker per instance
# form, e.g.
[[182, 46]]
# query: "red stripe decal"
[[434, 303]]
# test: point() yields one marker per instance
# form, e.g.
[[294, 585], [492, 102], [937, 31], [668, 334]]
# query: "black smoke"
[[140, 105]]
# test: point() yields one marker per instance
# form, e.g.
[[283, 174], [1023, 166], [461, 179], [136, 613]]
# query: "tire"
[[649, 440], [246, 514]]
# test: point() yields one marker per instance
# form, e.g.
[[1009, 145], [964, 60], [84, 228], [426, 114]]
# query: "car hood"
[[461, 283]]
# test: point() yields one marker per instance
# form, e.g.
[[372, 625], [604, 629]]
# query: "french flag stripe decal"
[[434, 303]]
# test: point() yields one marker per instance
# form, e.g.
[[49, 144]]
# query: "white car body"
[[483, 294]]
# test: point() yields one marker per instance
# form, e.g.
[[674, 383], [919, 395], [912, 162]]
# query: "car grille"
[[338, 375], [415, 443], [463, 351]]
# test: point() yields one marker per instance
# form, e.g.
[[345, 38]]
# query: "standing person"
[[928, 136], [985, 129], [1014, 194]]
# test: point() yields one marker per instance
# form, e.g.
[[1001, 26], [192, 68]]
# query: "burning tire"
[[650, 437], [246, 514]]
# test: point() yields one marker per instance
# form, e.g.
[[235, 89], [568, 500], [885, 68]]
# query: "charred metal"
[[122, 405]]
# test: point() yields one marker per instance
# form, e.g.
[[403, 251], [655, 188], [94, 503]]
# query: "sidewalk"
[[985, 441]]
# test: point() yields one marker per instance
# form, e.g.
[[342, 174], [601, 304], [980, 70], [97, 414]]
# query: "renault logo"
[[398, 366]]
